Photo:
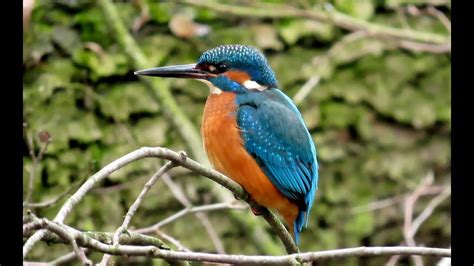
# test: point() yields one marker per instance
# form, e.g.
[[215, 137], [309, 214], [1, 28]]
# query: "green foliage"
[[380, 117]]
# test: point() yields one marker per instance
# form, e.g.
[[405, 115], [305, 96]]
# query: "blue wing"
[[275, 135]]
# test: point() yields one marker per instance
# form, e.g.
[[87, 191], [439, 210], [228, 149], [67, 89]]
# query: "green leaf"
[[363, 9], [293, 30], [66, 38], [102, 65], [151, 131], [120, 101]]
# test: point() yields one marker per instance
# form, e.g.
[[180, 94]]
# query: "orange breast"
[[224, 146]]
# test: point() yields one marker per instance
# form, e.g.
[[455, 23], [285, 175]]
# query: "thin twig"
[[66, 258], [384, 203], [47, 203], [423, 2], [410, 203], [133, 209], [35, 263], [421, 218], [423, 47], [53, 201], [432, 11], [267, 10], [61, 232], [202, 217], [411, 226], [173, 241], [36, 161], [186, 211], [306, 89], [131, 212], [441, 16]]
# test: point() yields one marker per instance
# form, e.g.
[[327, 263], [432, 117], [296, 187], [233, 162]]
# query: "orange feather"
[[238, 76]]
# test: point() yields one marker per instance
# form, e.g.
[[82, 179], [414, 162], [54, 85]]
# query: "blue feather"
[[275, 135]]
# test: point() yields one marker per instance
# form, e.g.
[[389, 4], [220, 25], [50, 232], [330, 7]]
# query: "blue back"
[[275, 135]]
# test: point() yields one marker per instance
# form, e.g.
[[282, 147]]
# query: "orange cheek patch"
[[238, 76]]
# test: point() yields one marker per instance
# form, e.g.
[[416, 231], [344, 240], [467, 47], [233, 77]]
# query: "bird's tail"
[[295, 219], [299, 223]]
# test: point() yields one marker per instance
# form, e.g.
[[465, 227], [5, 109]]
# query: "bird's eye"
[[221, 67], [218, 68]]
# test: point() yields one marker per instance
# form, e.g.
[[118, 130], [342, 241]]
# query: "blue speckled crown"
[[244, 58]]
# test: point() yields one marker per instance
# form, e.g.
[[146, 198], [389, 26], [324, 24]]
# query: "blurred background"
[[372, 79]]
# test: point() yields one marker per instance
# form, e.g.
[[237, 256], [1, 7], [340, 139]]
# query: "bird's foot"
[[257, 211]]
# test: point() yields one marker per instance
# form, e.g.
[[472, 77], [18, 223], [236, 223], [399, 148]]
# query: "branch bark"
[[158, 251], [62, 232], [294, 259]]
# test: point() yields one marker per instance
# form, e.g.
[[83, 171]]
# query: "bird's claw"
[[257, 211]]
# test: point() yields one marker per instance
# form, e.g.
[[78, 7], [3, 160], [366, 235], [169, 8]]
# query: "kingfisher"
[[253, 132]]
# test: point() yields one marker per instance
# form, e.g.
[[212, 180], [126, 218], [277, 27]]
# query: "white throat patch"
[[212, 88], [253, 85], [249, 84]]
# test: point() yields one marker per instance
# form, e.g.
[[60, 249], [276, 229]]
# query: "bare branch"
[[133, 209], [131, 212], [35, 164], [380, 204], [261, 260], [134, 246], [410, 205], [179, 159], [441, 16], [89, 239], [47, 203], [432, 11], [202, 217], [429, 210], [66, 258], [423, 47], [186, 211], [132, 238], [60, 231], [306, 89], [267, 10], [35, 263], [410, 227], [151, 251], [173, 241], [53, 201]]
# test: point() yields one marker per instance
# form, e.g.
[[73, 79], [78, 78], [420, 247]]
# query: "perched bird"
[[253, 132]]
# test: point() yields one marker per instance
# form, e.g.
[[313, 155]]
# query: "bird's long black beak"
[[179, 71]]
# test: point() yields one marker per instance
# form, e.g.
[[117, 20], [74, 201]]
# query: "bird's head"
[[233, 68]]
